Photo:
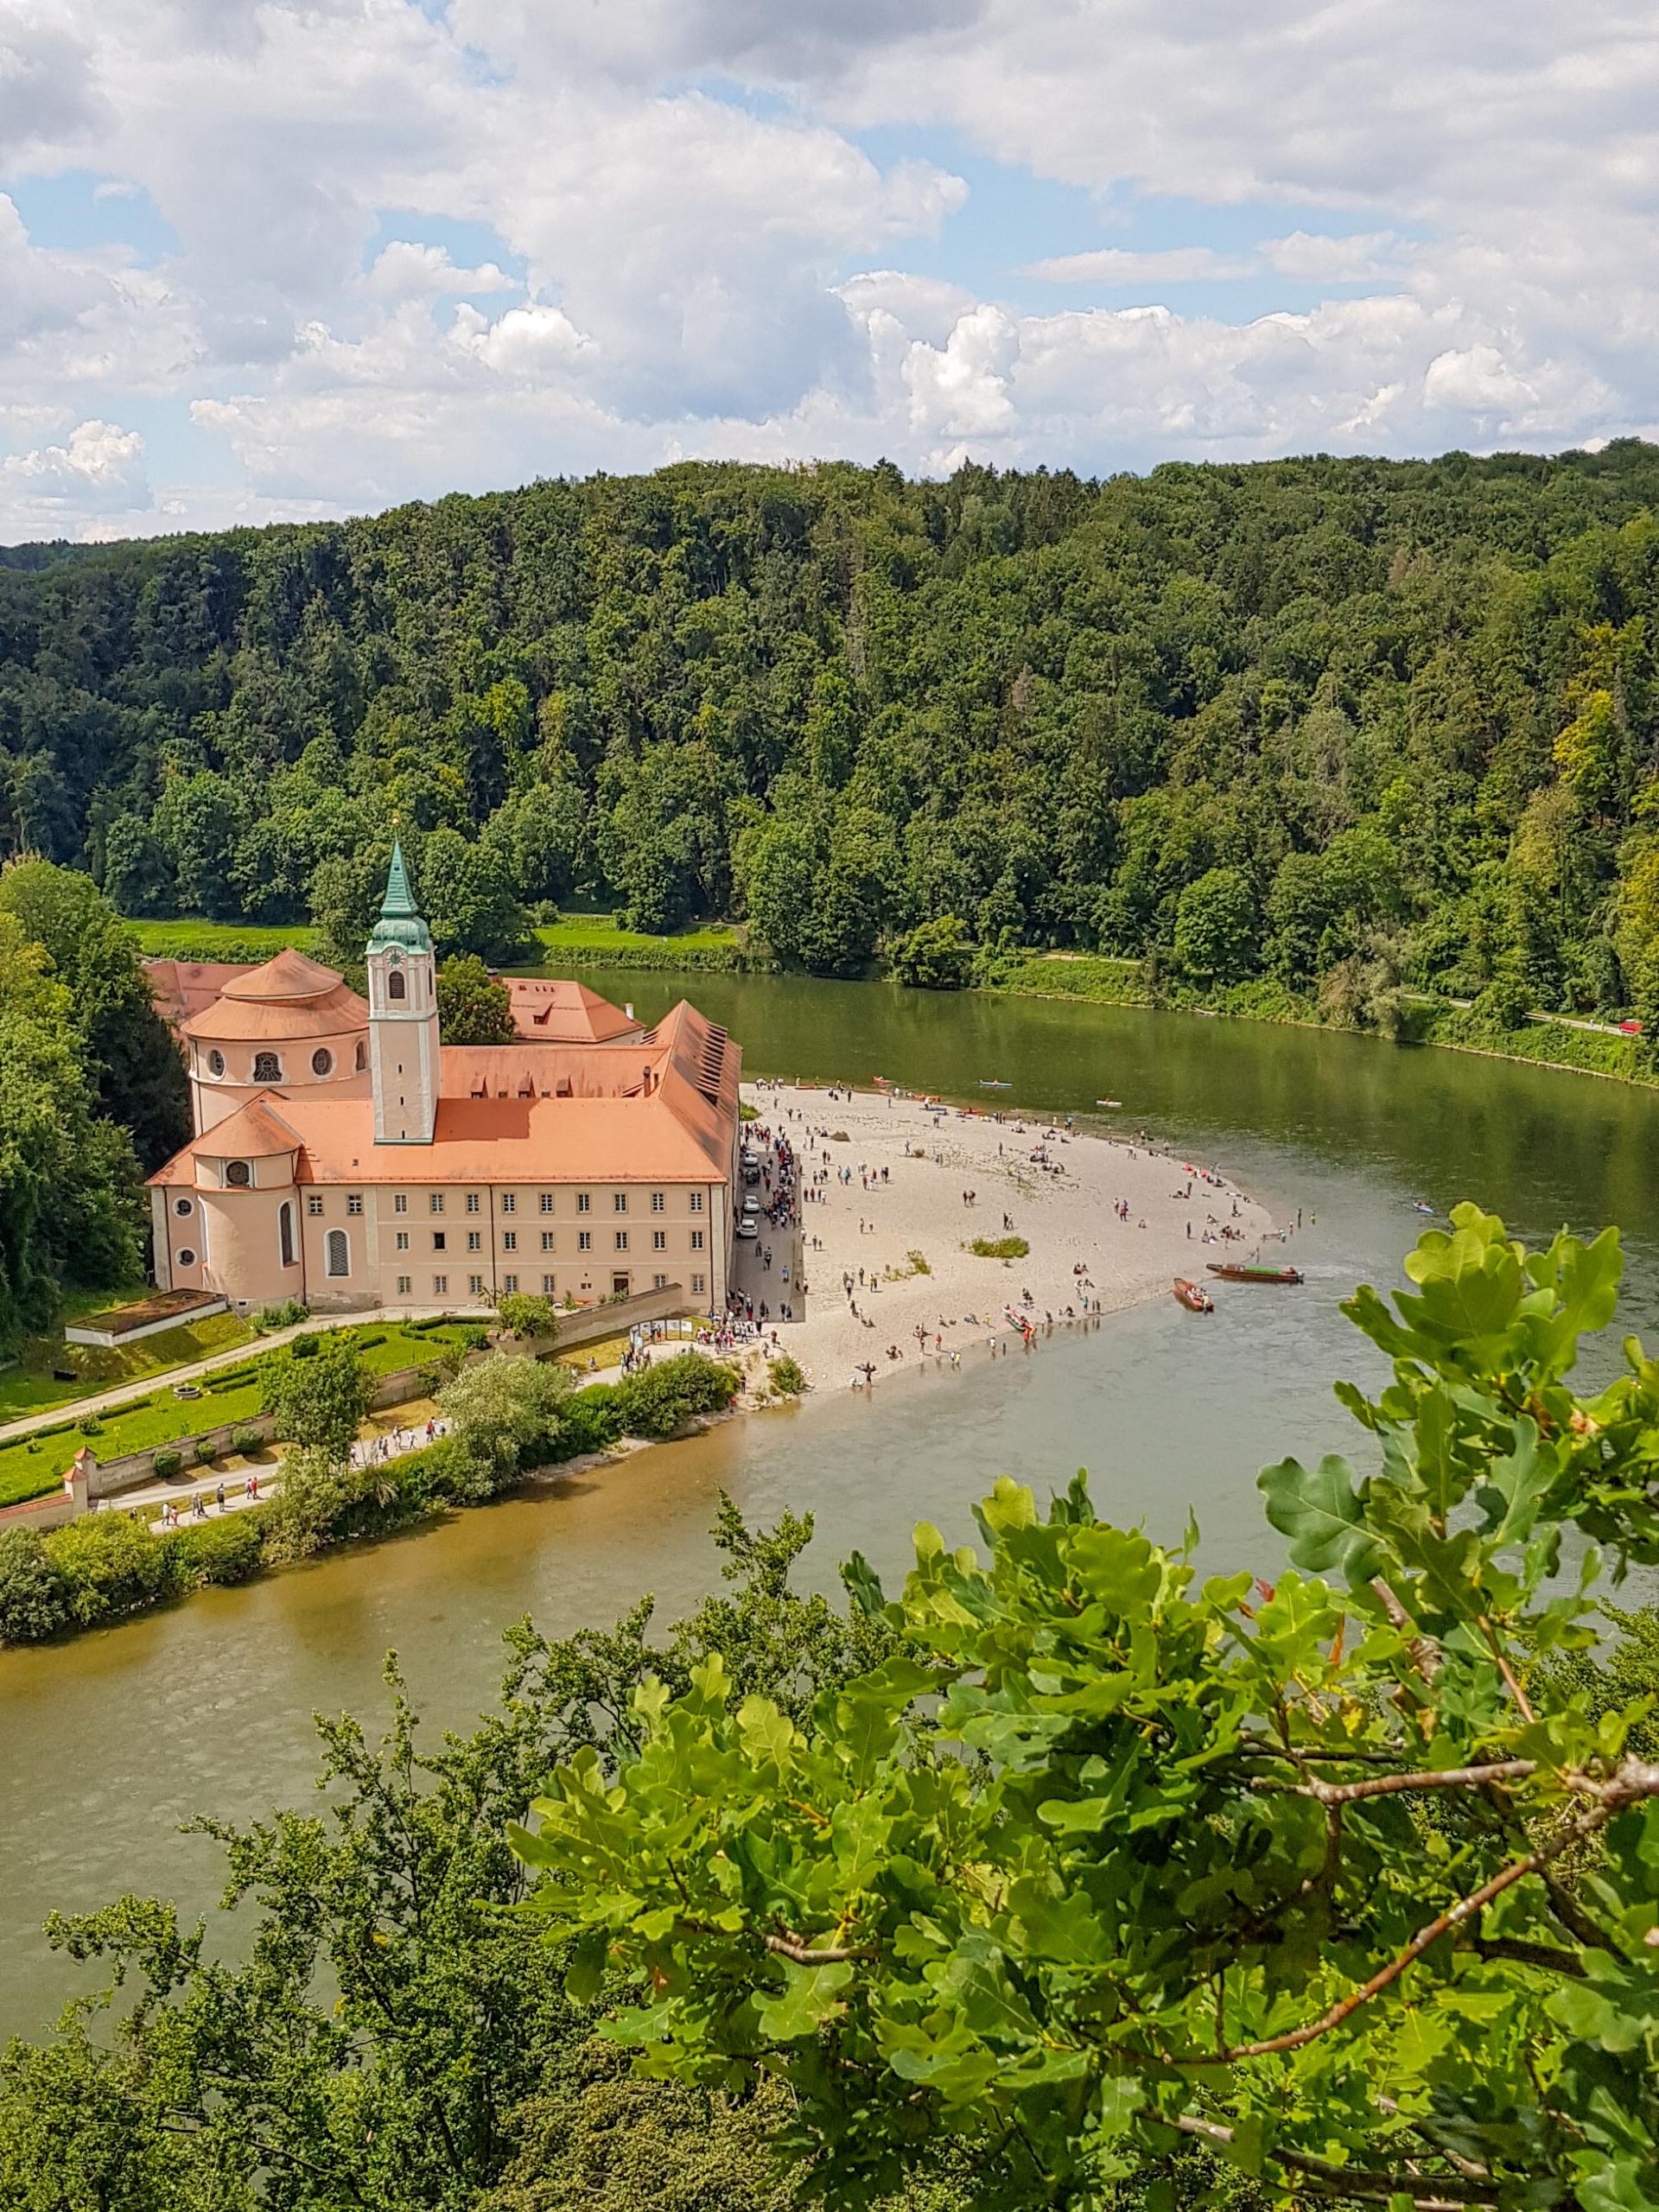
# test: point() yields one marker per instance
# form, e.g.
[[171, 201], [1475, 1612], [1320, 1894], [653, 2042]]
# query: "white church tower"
[[403, 1017]]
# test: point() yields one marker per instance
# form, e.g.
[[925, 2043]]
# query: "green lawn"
[[199, 940], [29, 1387], [575, 939], [35, 1465]]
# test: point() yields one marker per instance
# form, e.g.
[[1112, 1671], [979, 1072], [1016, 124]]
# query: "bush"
[[36, 1599], [247, 1441], [112, 1565], [659, 1402], [999, 1248], [506, 1414], [166, 1464], [284, 1316], [526, 1315], [89, 1424], [225, 1550], [590, 1420], [786, 1376], [304, 1347], [206, 1451], [366, 1342]]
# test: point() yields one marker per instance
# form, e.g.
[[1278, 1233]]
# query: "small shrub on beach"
[[999, 1248], [786, 1376]]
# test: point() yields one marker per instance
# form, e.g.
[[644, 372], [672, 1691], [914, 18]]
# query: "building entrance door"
[[619, 1286]]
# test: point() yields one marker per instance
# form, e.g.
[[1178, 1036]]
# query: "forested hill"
[[1289, 717]]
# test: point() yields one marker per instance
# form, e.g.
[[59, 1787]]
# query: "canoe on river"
[[1194, 1299], [1242, 1271]]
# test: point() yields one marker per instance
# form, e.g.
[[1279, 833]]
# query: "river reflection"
[[108, 1742]]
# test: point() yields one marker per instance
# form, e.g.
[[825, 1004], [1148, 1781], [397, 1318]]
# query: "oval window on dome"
[[215, 1063], [237, 1174], [186, 1257], [322, 1061], [183, 1208]]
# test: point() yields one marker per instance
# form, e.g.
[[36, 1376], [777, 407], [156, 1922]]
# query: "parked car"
[[749, 1226], [1631, 1028]]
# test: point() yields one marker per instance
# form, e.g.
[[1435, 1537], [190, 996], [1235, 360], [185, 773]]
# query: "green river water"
[[108, 1742]]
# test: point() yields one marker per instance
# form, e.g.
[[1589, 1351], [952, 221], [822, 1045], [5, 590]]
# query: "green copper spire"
[[400, 922]]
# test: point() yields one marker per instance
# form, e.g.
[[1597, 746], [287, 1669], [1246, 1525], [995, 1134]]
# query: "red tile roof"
[[557, 1010]]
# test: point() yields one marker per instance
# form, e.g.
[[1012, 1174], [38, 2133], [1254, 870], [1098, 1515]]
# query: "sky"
[[265, 260]]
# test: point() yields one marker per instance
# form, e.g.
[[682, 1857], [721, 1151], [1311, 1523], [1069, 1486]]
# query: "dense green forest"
[[1317, 719]]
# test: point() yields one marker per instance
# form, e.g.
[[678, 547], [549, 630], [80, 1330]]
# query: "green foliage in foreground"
[[1351, 1878], [371, 2027]]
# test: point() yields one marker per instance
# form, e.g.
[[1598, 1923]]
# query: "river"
[[109, 1741]]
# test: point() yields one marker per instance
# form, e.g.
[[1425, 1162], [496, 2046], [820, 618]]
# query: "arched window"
[[395, 988], [267, 1068], [322, 1061], [362, 1056], [285, 1232], [339, 1253], [237, 1174]]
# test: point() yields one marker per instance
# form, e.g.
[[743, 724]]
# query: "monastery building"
[[346, 1158]]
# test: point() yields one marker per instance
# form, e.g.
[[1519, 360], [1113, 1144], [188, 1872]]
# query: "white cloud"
[[56, 490], [1111, 265], [715, 261]]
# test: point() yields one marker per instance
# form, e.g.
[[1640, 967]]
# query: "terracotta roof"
[[557, 1010], [260, 1131], [288, 977], [182, 987], [257, 1010], [669, 1110]]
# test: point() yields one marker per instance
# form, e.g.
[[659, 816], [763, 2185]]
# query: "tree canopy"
[[1414, 696]]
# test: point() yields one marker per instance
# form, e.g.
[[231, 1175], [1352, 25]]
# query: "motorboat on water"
[[1195, 1299]]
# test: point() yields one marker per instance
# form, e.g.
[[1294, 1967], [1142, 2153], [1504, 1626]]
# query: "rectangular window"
[[436, 1201], [619, 1202], [696, 1285], [474, 1240], [584, 1202], [547, 1285], [622, 1240], [403, 1240], [439, 1243], [660, 1239], [697, 1240], [354, 1202], [313, 1204], [403, 1286], [400, 1203], [472, 1201], [697, 1201], [475, 1284], [547, 1240], [509, 1202], [659, 1201], [584, 1240], [440, 1285], [660, 1283], [547, 1201], [508, 1240], [509, 1282]]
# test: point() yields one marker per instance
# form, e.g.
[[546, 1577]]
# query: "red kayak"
[[1194, 1299]]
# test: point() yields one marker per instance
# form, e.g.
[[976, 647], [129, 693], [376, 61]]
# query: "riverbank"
[[898, 1190]]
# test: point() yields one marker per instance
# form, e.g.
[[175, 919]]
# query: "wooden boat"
[[991, 1083], [1246, 1271], [1109, 1102], [1194, 1299]]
